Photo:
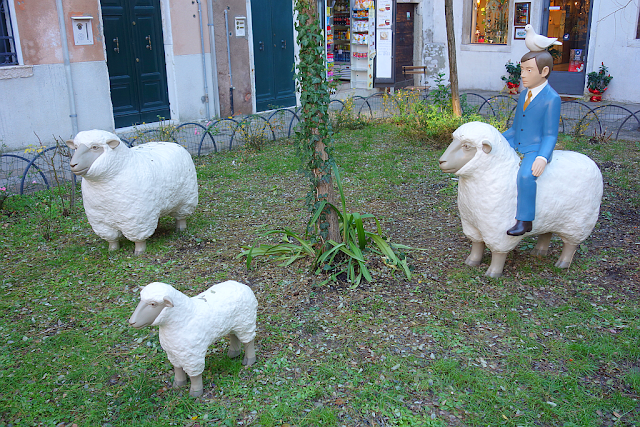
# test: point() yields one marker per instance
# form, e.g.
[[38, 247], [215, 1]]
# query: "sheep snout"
[[456, 156], [84, 157], [145, 314]]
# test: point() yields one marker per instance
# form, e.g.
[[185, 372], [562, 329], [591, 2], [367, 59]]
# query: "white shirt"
[[536, 90]]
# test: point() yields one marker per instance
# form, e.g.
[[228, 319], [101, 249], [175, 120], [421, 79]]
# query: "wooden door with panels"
[[135, 59]]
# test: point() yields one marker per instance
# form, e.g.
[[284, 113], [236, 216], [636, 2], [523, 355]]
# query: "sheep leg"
[[114, 245], [475, 257], [196, 386], [542, 247], [249, 354], [234, 346], [497, 264], [140, 247], [181, 224], [568, 250], [180, 377]]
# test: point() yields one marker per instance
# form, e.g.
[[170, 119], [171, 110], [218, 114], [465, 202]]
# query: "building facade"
[[71, 65]]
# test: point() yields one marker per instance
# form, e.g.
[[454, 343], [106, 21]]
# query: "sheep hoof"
[[472, 262], [539, 252], [140, 248], [248, 362], [196, 393], [493, 274], [177, 383], [563, 264], [233, 353], [181, 225], [114, 246]]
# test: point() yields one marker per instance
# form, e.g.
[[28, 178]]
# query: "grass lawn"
[[538, 347]]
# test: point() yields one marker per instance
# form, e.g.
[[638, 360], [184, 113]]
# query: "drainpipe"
[[214, 65], [226, 26], [205, 98], [67, 68]]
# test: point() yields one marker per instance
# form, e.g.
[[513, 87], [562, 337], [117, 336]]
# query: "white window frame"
[[14, 32], [466, 41]]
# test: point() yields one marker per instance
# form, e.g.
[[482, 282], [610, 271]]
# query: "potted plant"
[[597, 82], [513, 80]]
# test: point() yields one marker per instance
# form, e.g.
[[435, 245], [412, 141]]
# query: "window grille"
[[7, 43]]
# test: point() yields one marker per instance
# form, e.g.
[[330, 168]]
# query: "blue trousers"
[[526, 210]]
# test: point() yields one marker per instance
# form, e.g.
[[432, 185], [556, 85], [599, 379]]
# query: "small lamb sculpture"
[[126, 190], [188, 326], [568, 196]]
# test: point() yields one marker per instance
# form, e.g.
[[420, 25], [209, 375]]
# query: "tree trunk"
[[453, 64], [324, 190]]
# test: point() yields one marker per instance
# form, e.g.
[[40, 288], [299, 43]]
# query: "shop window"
[[8, 54], [490, 21]]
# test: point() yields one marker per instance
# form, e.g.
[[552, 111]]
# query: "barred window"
[[490, 21], [8, 54]]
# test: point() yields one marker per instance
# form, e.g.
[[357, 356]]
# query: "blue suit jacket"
[[536, 130]]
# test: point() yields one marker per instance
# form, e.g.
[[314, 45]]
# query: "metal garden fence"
[[42, 167]]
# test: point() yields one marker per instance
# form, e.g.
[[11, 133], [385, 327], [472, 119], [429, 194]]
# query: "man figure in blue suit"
[[534, 133]]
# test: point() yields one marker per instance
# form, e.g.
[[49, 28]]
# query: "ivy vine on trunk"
[[315, 135]]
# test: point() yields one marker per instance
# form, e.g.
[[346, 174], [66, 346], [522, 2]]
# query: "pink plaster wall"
[[37, 22], [185, 27]]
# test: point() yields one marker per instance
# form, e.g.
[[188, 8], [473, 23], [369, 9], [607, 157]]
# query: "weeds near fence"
[[164, 131], [346, 118]]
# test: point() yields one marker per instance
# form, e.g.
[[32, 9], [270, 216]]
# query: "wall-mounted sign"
[[82, 32], [241, 25], [522, 15]]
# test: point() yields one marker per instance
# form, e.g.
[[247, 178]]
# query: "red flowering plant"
[[598, 81], [513, 79]]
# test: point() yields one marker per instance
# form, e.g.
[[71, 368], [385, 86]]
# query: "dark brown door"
[[404, 42]]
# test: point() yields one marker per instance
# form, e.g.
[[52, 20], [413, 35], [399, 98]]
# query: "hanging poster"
[[522, 15], [385, 13], [384, 52]]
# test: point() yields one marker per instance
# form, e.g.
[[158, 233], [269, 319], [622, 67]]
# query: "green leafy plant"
[[599, 80], [345, 259], [514, 73]]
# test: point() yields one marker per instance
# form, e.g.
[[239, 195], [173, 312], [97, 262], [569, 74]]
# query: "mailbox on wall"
[[82, 32]]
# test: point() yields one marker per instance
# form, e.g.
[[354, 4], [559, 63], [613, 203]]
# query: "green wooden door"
[[273, 54], [135, 59]]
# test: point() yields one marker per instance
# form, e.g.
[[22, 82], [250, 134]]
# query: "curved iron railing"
[[209, 137]]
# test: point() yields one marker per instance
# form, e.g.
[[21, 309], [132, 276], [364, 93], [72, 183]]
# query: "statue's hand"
[[538, 167]]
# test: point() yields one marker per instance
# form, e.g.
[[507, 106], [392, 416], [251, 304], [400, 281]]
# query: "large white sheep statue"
[[188, 326], [567, 202], [126, 190]]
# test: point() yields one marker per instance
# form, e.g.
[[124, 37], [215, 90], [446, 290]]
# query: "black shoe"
[[520, 228]]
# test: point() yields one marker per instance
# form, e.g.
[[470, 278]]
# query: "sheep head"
[[470, 149], [154, 298], [89, 146]]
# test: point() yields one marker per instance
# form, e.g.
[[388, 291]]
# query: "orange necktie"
[[527, 101]]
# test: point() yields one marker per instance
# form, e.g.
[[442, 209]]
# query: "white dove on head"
[[536, 42]]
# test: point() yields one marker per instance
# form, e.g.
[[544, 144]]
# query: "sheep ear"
[[113, 143], [70, 144], [167, 302], [486, 146]]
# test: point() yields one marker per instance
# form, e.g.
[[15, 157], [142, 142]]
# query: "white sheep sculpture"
[[188, 326], [126, 190], [567, 203]]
